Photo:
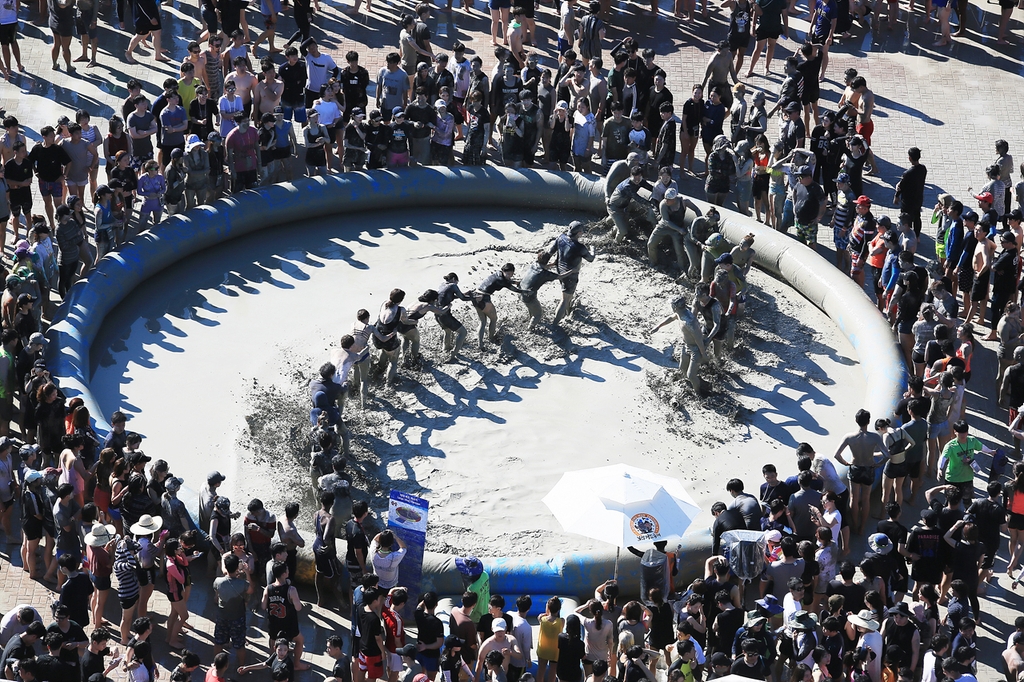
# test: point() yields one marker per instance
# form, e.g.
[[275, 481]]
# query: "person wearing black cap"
[[452, 661], [898, 630], [398, 144], [378, 136], [720, 663], [808, 207], [794, 132]]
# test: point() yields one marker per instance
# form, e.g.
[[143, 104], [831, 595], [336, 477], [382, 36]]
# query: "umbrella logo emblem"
[[644, 526]]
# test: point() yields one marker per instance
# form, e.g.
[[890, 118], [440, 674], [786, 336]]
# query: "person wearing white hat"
[[868, 637], [197, 171], [671, 225], [442, 137], [144, 531], [99, 549], [560, 124], [499, 641]]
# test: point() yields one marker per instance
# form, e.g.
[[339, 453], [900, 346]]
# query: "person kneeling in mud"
[[693, 354]]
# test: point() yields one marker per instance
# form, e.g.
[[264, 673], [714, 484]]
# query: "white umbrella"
[[622, 505]]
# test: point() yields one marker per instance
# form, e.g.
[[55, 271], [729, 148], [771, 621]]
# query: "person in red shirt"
[[243, 160], [394, 629]]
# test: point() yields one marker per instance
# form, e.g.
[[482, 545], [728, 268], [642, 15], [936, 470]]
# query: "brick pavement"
[[951, 102]]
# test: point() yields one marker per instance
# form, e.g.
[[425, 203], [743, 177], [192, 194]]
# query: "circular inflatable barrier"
[[82, 313]]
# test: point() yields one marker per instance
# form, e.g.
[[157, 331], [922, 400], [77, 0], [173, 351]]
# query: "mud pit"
[[211, 360]]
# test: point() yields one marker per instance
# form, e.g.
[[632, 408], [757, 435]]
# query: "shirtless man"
[[598, 92], [1014, 656], [514, 36], [720, 69], [984, 253], [693, 354], [577, 83], [849, 96], [863, 445], [499, 641], [268, 91], [864, 103], [245, 82]]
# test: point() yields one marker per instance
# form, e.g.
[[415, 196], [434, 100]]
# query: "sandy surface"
[[210, 361]]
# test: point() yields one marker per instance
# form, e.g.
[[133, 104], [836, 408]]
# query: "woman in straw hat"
[[145, 531], [869, 639], [99, 548]]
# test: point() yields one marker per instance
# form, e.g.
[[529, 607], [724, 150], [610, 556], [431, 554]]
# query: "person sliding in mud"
[[481, 298], [570, 254], [454, 332], [694, 351]]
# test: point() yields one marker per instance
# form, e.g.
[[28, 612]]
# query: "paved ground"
[[951, 102]]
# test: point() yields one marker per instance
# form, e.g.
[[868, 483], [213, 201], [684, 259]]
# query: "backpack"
[[589, 35]]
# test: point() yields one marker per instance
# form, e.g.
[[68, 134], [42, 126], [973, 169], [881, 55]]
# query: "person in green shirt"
[[957, 460]]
